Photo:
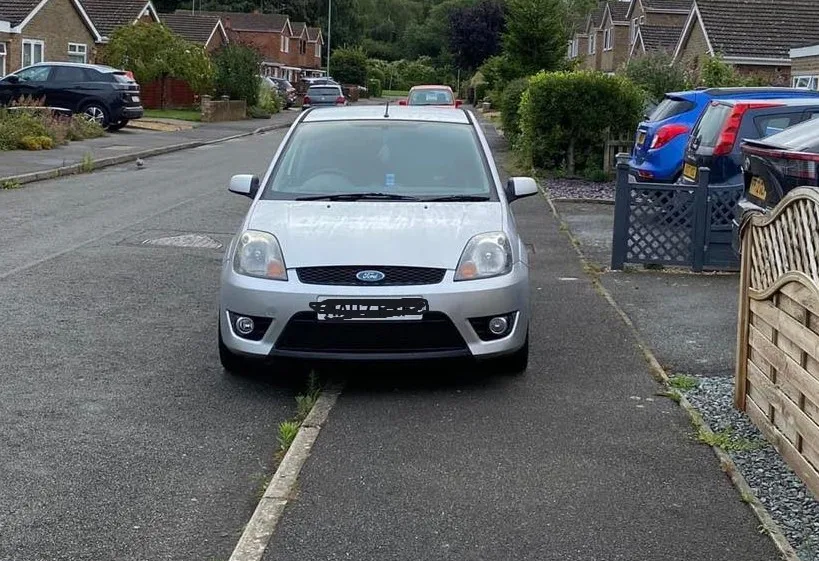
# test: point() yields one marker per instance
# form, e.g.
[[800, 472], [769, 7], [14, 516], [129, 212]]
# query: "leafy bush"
[[716, 73], [510, 106], [374, 84], [237, 73], [80, 128], [256, 112], [269, 100], [349, 66], [36, 143], [38, 129], [565, 117], [656, 75], [498, 71]]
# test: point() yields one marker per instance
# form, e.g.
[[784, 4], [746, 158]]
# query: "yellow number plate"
[[690, 172], [757, 188]]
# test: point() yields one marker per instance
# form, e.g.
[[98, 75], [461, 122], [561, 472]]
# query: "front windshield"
[[396, 158], [430, 97]]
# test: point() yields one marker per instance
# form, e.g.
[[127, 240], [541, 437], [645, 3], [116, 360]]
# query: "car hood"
[[374, 233]]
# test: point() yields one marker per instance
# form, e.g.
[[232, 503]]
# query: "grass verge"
[[394, 93], [180, 114]]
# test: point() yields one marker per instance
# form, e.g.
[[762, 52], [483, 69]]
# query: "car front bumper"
[[451, 303]]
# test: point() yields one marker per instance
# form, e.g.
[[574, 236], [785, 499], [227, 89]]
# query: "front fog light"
[[244, 325], [498, 325]]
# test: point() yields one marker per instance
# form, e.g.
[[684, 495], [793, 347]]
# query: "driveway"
[[121, 437]]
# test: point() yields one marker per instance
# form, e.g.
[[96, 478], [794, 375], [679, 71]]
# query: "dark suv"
[[103, 94], [714, 141]]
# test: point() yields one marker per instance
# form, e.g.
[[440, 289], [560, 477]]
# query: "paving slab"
[[578, 459]]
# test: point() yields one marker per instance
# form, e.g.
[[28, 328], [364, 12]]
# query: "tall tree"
[[475, 33], [535, 36]]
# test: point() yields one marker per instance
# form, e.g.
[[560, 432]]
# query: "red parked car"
[[431, 95]]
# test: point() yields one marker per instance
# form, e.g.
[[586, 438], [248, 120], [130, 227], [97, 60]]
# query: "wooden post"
[[743, 321]]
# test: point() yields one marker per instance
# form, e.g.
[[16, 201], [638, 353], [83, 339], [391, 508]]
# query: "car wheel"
[[118, 125], [96, 113], [231, 362], [515, 363]]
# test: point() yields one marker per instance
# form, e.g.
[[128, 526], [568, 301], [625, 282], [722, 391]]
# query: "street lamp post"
[[329, 28]]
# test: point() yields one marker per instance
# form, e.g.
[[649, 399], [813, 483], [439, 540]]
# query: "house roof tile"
[[243, 21], [619, 9], [313, 33], [196, 28], [671, 5], [658, 38], [759, 28], [110, 14], [15, 11], [298, 27]]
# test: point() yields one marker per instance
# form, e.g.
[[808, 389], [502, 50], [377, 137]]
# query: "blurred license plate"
[[641, 138], [690, 172], [135, 98], [757, 188], [339, 309]]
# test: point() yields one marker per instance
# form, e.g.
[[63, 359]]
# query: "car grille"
[[393, 276], [435, 332]]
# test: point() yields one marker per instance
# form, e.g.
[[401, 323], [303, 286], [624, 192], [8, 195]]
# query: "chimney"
[[227, 23]]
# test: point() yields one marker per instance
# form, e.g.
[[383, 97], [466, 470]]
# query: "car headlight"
[[486, 255], [258, 254]]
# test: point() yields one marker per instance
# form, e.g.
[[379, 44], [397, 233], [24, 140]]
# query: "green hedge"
[[375, 88], [566, 117], [510, 106]]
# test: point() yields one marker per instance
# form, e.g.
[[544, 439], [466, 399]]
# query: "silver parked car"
[[327, 95], [399, 245]]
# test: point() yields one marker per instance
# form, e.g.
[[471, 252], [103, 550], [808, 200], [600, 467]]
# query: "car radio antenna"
[[387, 110]]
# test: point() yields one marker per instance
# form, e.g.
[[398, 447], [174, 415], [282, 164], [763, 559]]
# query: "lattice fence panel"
[[722, 203], [660, 225]]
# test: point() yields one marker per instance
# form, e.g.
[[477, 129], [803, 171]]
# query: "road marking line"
[[253, 542]]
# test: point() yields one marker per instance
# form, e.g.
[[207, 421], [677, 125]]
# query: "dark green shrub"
[[237, 73], [566, 117], [349, 66], [510, 106], [656, 75], [256, 112], [374, 85]]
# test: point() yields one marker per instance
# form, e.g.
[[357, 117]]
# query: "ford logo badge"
[[370, 276]]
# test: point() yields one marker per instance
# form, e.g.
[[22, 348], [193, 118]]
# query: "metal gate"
[[673, 225]]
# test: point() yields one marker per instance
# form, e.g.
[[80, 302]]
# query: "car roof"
[[100, 67], [395, 112], [430, 87], [780, 101]]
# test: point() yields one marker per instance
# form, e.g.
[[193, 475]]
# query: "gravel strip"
[[579, 189], [776, 486]]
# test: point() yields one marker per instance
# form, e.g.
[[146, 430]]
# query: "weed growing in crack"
[[683, 382], [724, 439], [287, 434], [87, 164], [10, 184], [306, 401], [673, 395]]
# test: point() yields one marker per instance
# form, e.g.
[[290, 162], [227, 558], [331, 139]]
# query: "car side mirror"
[[402, 102], [12, 79], [244, 184], [458, 102], [519, 187]]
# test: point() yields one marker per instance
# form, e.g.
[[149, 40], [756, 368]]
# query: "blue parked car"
[[661, 140]]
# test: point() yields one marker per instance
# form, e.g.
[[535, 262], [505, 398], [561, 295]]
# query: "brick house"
[[615, 39], [756, 40], [656, 25], [805, 67], [107, 15], [306, 43], [34, 31], [201, 29], [593, 54]]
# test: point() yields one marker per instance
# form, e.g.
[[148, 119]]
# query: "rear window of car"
[[670, 107], [317, 161], [430, 97], [324, 90], [803, 137], [120, 77], [710, 124]]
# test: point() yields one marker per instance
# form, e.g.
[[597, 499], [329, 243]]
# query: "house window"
[[2, 59], [77, 52], [608, 43], [33, 51], [285, 44], [592, 42], [807, 82], [302, 47], [318, 50], [633, 30]]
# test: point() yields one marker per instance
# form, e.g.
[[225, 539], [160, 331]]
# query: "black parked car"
[[714, 141], [776, 165], [103, 94]]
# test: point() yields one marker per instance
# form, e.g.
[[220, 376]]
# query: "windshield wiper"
[[457, 198], [358, 197]]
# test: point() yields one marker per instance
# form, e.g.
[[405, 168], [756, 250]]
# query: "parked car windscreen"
[[317, 160], [669, 107], [710, 124], [430, 97], [803, 137], [323, 90]]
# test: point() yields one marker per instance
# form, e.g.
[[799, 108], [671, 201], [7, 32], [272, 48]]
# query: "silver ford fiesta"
[[378, 233]]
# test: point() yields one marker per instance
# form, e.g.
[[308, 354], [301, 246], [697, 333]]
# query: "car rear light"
[[306, 100], [728, 135], [340, 100], [667, 133], [804, 165], [642, 174]]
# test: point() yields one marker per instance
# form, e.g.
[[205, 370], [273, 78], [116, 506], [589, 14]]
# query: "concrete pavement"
[[576, 460], [120, 436]]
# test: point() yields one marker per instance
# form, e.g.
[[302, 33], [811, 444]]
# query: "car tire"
[[96, 113], [513, 364], [231, 362], [118, 125]]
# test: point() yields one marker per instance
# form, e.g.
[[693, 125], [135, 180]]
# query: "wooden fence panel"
[[777, 373]]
